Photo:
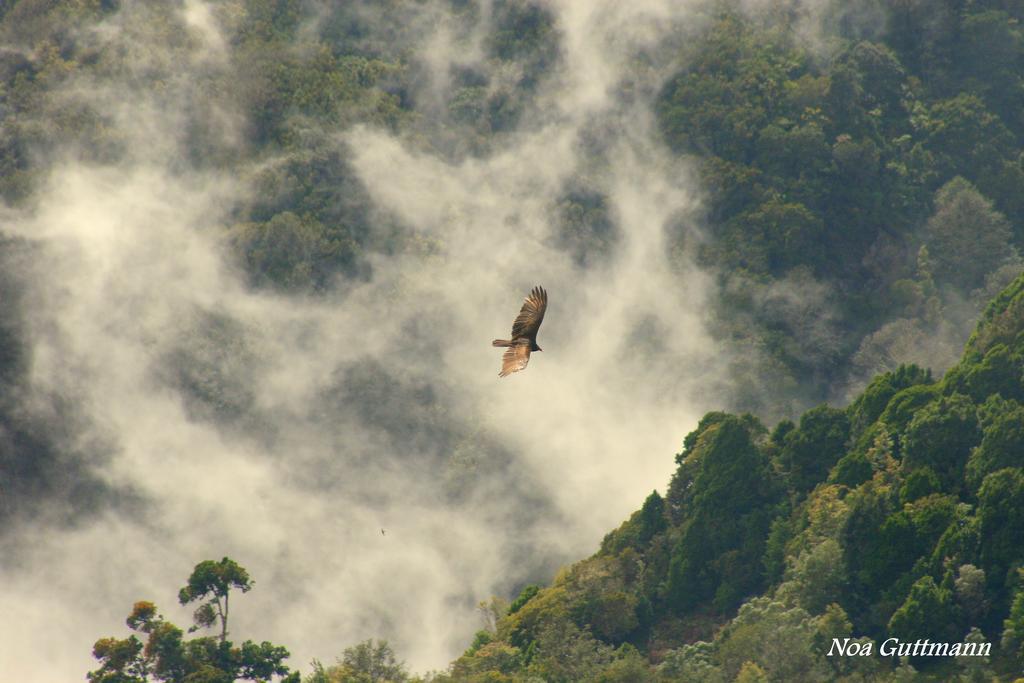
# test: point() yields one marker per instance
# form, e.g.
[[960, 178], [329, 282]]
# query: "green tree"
[[779, 235], [1001, 518], [213, 581], [966, 137], [918, 484], [970, 592], [652, 517], [811, 450], [870, 404], [1013, 626], [870, 506], [692, 663], [882, 78], [927, 612], [1002, 445], [729, 513], [367, 662], [751, 673], [166, 655], [121, 660], [295, 253], [967, 238], [524, 597], [627, 666], [941, 437], [902, 408], [998, 372], [779, 639], [610, 614], [816, 578], [907, 535], [566, 653], [991, 54]]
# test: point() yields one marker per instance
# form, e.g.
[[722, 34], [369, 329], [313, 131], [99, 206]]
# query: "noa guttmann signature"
[[894, 647]]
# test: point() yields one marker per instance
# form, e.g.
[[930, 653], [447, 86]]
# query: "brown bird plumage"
[[524, 333]]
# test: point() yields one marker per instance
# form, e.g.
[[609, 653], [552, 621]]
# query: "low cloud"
[[286, 431]]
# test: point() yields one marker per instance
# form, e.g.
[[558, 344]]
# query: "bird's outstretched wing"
[[530, 316], [517, 355]]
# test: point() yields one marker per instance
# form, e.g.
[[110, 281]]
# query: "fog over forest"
[[253, 254], [374, 405]]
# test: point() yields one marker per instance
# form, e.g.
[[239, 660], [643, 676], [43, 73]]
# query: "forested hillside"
[[885, 168], [887, 171], [863, 188], [898, 516], [249, 250]]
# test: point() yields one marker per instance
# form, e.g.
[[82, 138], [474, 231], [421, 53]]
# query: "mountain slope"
[[899, 516]]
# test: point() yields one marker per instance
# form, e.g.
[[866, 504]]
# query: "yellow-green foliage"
[[896, 541]]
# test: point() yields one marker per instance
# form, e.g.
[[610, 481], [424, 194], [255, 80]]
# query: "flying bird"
[[524, 333]]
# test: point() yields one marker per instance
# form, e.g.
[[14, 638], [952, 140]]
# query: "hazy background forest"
[[254, 252]]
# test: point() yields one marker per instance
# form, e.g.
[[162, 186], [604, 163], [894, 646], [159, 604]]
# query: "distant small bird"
[[382, 533], [524, 333]]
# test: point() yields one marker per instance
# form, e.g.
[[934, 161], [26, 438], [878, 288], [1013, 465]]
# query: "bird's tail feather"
[[501, 342]]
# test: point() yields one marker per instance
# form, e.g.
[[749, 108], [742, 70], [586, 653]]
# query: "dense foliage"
[[864, 200], [166, 655], [863, 194], [891, 171], [899, 516]]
